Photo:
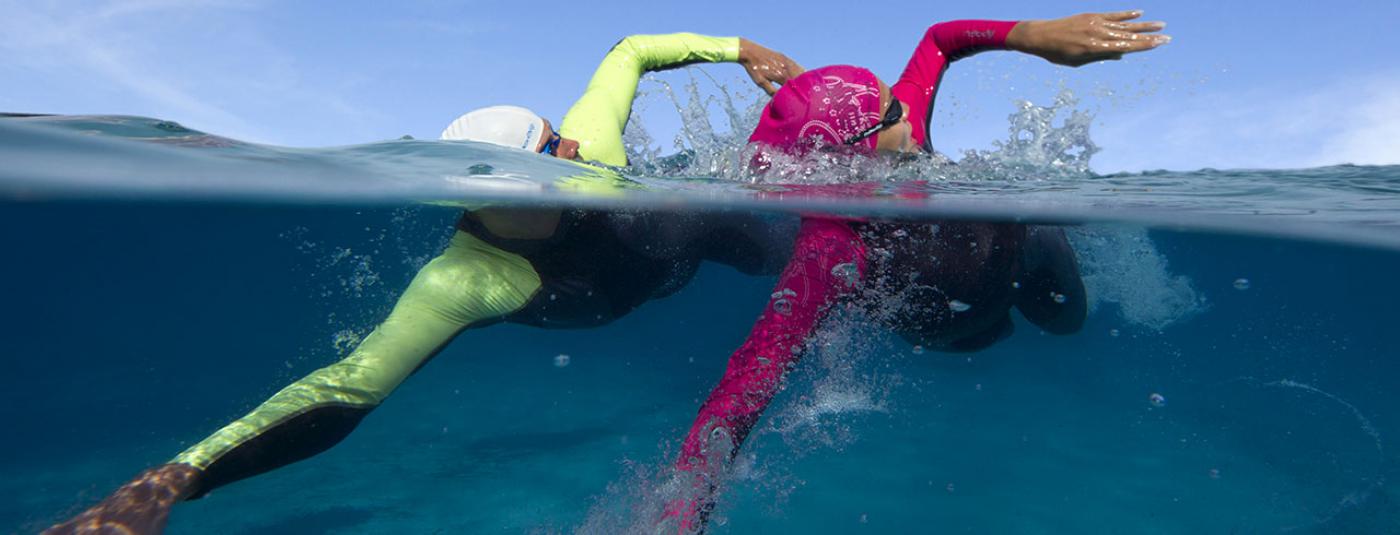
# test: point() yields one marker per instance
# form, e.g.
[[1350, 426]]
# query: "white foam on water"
[[837, 379], [1122, 266]]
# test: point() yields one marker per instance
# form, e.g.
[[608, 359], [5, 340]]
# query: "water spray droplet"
[[783, 306], [561, 360], [846, 272], [1058, 298], [959, 306], [918, 350], [1241, 284], [1157, 400]]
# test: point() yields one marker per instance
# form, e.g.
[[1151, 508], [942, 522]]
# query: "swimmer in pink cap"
[[966, 275]]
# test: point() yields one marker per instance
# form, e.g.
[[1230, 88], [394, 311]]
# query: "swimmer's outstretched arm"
[[1052, 291], [597, 119], [1072, 41], [1086, 38], [827, 264], [470, 282]]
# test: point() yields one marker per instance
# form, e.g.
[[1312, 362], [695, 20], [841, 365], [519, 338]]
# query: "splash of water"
[[701, 147], [1044, 142], [1034, 175], [1122, 266], [1039, 141], [363, 271], [839, 379]]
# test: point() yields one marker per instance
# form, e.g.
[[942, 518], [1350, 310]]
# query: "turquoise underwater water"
[[135, 324]]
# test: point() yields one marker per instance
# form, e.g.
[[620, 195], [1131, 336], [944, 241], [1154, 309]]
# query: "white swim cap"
[[509, 126]]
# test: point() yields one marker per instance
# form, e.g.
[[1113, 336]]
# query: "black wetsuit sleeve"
[[752, 243], [1051, 290]]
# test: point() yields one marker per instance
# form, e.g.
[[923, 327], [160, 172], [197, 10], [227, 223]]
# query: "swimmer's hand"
[[141, 506], [1086, 38], [765, 66]]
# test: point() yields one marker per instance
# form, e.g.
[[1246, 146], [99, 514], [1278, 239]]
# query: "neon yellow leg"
[[471, 281]]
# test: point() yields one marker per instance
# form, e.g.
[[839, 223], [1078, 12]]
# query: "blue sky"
[[1244, 84]]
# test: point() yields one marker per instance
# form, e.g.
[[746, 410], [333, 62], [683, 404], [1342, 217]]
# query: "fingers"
[[1137, 27], [1147, 44], [1133, 42], [1115, 48], [762, 82], [792, 68], [1120, 16], [774, 71], [1131, 37], [1127, 37]]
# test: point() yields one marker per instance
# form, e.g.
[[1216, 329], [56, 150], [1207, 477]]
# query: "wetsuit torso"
[[599, 265], [947, 286]]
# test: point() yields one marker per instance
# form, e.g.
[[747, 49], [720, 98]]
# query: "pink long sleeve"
[[943, 43], [829, 259]]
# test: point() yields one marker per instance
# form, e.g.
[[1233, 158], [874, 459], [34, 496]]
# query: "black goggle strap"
[[892, 116]]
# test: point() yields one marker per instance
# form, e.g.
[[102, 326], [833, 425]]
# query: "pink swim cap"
[[827, 105]]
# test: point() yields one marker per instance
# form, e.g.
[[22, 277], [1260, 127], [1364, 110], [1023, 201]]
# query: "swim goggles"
[[892, 116], [551, 147]]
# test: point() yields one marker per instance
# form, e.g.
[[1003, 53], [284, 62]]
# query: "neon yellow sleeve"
[[597, 119], [471, 281]]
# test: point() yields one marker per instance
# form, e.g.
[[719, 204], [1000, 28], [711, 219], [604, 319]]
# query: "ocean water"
[[1235, 375]]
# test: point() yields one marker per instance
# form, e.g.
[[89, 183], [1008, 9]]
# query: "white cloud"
[[1372, 133], [1353, 121], [58, 37], [203, 63]]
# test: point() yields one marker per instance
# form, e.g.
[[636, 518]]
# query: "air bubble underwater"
[[781, 304], [846, 272]]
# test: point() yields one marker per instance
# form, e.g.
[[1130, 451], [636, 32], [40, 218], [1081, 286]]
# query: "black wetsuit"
[[950, 285], [599, 265]]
